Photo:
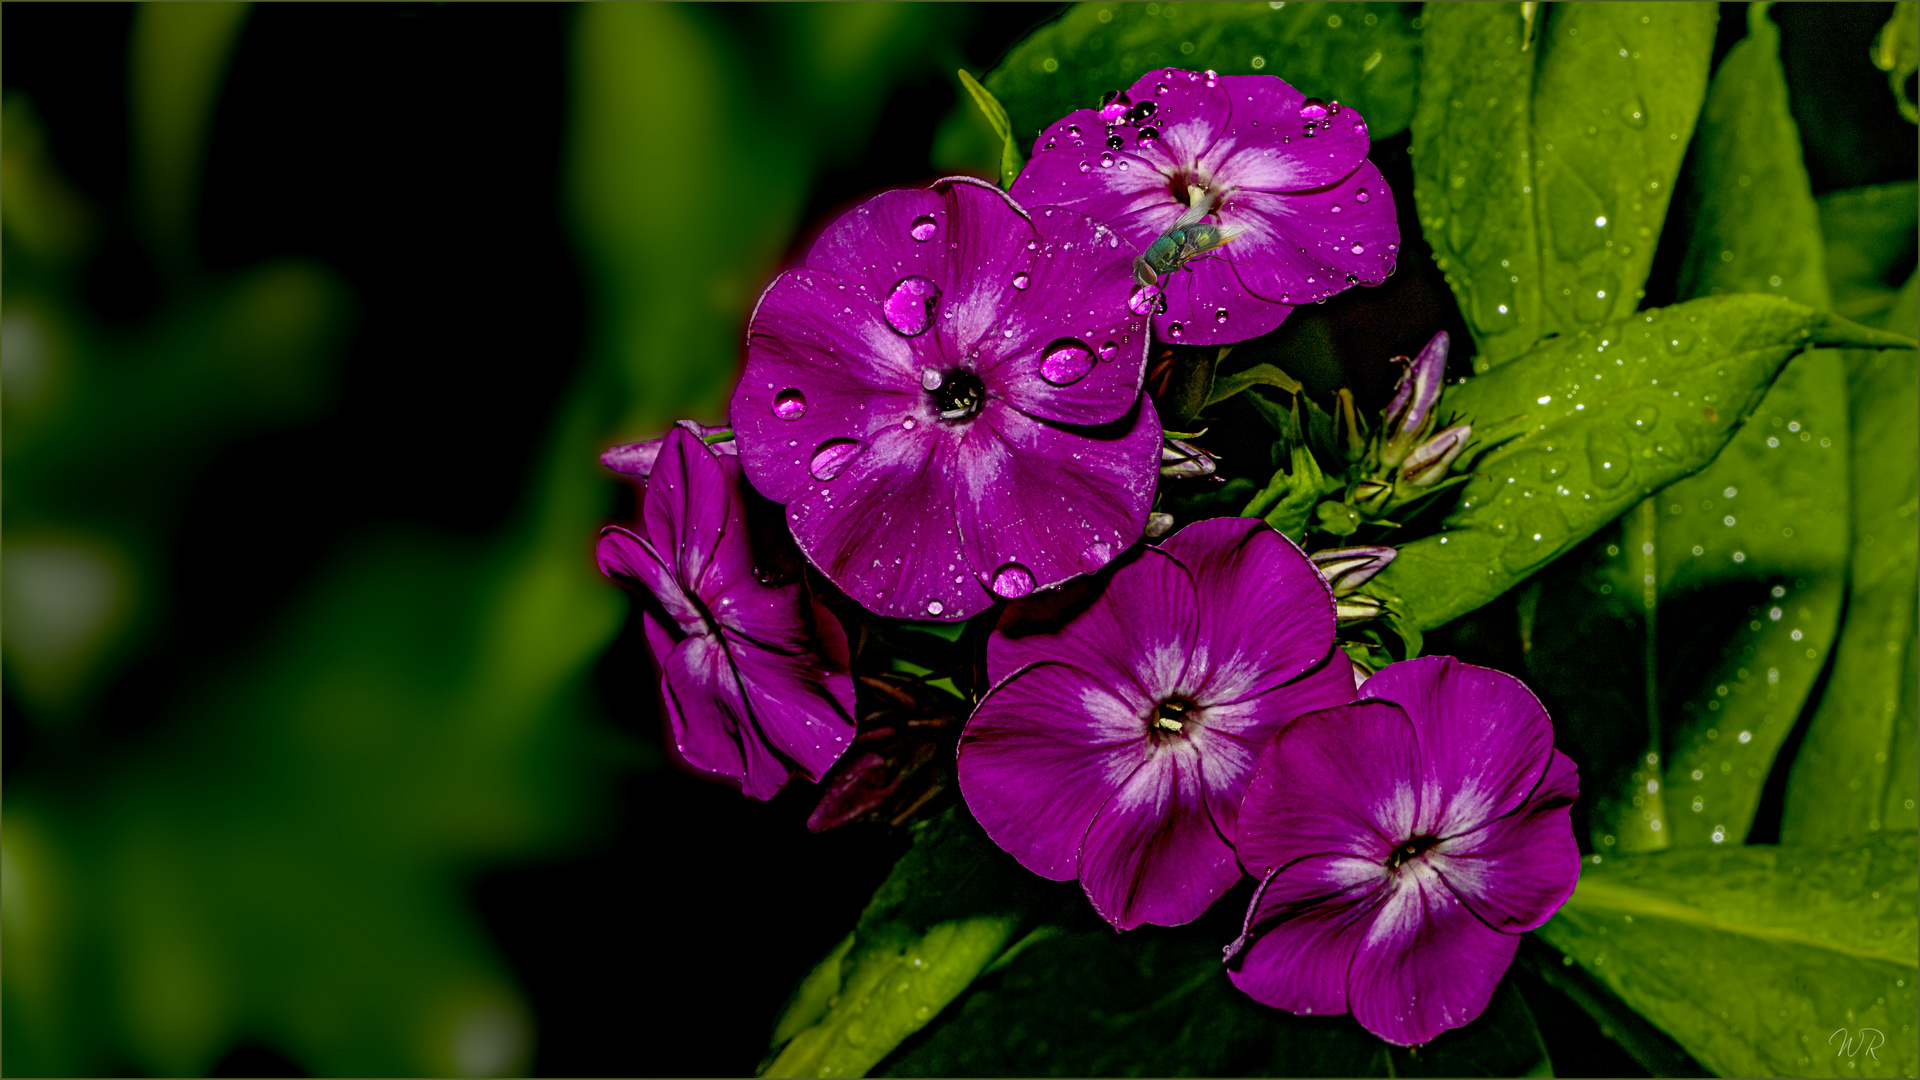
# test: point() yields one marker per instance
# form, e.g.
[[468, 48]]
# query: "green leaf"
[[1854, 773], [1870, 244], [1654, 1049], [1363, 55], [948, 909], [1761, 532], [1586, 426], [1011, 161], [1227, 386], [1753, 957], [1157, 1002], [1542, 174]]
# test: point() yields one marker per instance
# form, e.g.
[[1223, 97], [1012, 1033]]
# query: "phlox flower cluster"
[[943, 416]]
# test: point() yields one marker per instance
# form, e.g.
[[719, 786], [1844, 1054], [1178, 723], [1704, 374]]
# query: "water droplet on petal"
[[1361, 195], [832, 457], [1310, 131], [935, 607], [1066, 361], [790, 404], [1115, 142], [1106, 161], [1174, 330], [931, 379], [1012, 581], [1312, 109], [1359, 249], [1148, 136], [1220, 315], [1213, 79], [1021, 281], [1160, 89], [1142, 299], [1073, 131], [1109, 350], [910, 305], [1096, 555], [1086, 166]]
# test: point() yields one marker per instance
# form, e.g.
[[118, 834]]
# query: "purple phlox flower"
[[901, 760], [1348, 568], [947, 399], [755, 677], [1115, 749], [1297, 211], [1427, 463], [1409, 413], [1404, 842], [636, 458]]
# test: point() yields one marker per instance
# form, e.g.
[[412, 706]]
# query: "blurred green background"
[[326, 748], [316, 319]]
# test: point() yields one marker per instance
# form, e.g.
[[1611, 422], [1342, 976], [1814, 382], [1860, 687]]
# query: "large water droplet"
[[790, 404], [1086, 167], [1360, 128], [1143, 111], [1359, 249], [1096, 555], [1160, 89], [923, 228], [1021, 281], [1012, 581], [1634, 113], [1361, 195], [1220, 315], [1066, 361], [1608, 457], [910, 305], [1073, 131], [1142, 299], [1109, 350], [1115, 142], [1148, 136], [935, 607], [1313, 109], [931, 379], [832, 457], [1310, 130], [1175, 330], [1106, 161]]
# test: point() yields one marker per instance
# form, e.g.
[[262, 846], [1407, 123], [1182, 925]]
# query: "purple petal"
[[1251, 153], [1232, 736], [1427, 964], [691, 502], [1485, 739], [1302, 929], [1265, 613], [637, 458], [1153, 854], [1192, 117], [1268, 255], [1516, 872], [1076, 299], [1134, 638], [626, 557], [1137, 200], [1339, 781], [708, 716], [883, 528], [1042, 753], [799, 706], [1038, 505], [1197, 294]]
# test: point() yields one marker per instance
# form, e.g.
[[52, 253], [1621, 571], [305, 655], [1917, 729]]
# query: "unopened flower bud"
[[1159, 525], [1370, 495], [1411, 410], [1180, 459], [1429, 461], [1358, 608], [1346, 569], [1350, 433]]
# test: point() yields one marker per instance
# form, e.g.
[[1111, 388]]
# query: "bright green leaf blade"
[[1854, 772], [178, 58], [1226, 386], [1011, 160], [1753, 957], [1654, 1049], [1762, 531], [1869, 233], [1586, 426], [948, 909], [1363, 55], [1542, 175]]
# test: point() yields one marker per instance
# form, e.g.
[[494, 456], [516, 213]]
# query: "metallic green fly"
[[1187, 238]]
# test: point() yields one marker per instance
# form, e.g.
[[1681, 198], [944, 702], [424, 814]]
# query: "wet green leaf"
[[1855, 772], [1363, 55], [1542, 174], [1760, 534], [1753, 957], [1654, 1049], [1011, 160], [1157, 1002], [1226, 386], [950, 907], [1586, 426], [1870, 235]]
